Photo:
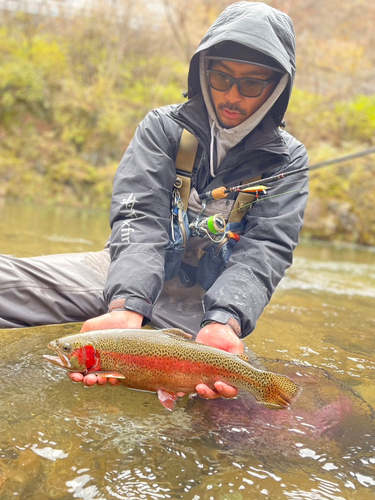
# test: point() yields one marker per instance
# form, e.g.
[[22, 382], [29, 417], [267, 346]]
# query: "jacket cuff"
[[224, 317], [132, 304]]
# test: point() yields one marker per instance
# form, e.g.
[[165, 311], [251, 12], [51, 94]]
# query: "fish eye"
[[66, 348]]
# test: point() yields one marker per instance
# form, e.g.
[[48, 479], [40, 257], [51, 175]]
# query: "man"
[[239, 84]]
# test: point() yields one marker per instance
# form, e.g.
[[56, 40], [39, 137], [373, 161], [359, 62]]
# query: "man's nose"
[[233, 94]]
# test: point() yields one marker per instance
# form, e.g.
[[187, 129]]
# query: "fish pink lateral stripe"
[[150, 372], [170, 364]]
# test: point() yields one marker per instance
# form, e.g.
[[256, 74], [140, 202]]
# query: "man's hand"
[[221, 337], [109, 321], [115, 319]]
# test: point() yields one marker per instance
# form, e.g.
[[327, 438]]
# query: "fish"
[[168, 362]]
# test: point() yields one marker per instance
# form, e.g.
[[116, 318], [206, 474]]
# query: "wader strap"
[[242, 203], [185, 160]]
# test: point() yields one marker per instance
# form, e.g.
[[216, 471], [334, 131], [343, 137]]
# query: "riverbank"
[[340, 206], [72, 96]]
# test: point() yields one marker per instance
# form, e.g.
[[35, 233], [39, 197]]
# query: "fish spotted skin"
[[165, 360]]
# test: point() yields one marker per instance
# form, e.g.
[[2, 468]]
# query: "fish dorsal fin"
[[244, 357], [178, 333]]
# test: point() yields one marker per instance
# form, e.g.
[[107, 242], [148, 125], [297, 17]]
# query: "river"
[[59, 440]]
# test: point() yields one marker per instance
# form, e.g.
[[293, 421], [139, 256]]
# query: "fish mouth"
[[60, 360]]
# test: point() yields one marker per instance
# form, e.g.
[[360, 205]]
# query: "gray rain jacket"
[[141, 203]]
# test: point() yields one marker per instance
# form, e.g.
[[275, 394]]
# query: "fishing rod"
[[255, 187], [342, 158], [249, 187], [245, 187], [214, 226], [217, 227]]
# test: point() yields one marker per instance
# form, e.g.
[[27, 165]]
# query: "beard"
[[226, 123]]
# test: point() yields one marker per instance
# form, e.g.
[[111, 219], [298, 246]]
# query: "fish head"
[[74, 356]]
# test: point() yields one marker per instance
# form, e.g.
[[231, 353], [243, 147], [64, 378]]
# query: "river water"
[[59, 440]]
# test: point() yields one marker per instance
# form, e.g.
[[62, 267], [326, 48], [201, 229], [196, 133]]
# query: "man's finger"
[[75, 377], [90, 380], [114, 381], [225, 390], [205, 392]]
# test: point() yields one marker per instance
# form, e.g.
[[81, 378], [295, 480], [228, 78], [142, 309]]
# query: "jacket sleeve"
[[140, 217], [265, 250]]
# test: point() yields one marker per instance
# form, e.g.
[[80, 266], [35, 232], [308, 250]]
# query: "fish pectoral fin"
[[177, 332], [109, 374], [167, 399]]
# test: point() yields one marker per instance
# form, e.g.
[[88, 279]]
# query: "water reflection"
[[29, 230], [342, 278]]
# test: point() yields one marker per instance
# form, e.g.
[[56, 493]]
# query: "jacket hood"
[[259, 28]]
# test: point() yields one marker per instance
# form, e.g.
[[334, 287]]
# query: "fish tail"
[[275, 391]]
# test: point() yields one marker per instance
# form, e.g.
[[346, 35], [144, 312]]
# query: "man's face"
[[231, 107]]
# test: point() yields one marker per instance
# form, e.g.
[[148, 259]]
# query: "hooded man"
[[239, 84]]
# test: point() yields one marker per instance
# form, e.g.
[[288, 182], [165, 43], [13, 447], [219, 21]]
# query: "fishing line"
[[263, 198]]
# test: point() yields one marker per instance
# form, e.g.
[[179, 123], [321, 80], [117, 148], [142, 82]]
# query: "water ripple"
[[340, 278]]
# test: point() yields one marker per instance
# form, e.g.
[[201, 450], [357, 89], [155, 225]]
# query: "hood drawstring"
[[218, 151], [212, 151]]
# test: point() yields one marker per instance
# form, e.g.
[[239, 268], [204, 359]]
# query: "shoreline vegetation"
[[74, 87]]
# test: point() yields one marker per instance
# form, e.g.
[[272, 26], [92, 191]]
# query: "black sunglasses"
[[248, 87]]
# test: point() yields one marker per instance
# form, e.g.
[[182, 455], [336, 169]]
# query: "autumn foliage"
[[75, 84]]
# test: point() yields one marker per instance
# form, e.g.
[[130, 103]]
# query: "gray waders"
[[66, 288]]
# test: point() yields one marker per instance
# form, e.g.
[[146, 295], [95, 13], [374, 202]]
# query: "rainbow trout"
[[168, 362]]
